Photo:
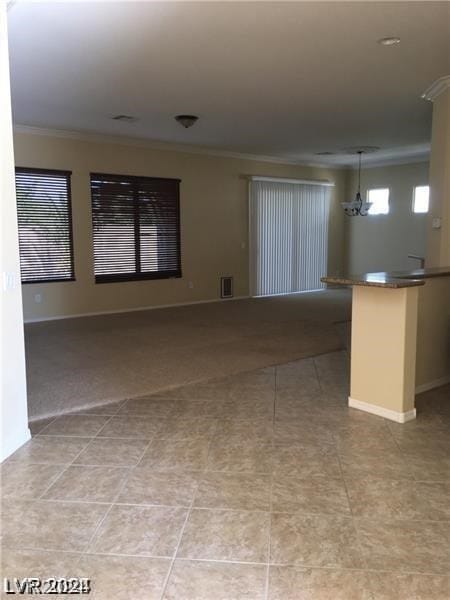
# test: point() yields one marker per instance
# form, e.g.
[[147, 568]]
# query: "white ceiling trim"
[[437, 88], [187, 149], [395, 162], [166, 146]]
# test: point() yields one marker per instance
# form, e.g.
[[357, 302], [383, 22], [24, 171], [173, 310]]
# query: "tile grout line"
[[42, 432], [80, 553], [240, 510], [67, 466], [269, 547], [337, 453], [97, 529], [316, 370], [271, 475], [159, 424], [174, 556], [191, 507], [355, 529], [402, 453], [45, 426], [90, 437], [188, 514]]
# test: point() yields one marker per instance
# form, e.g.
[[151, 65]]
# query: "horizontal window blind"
[[136, 227], [45, 225]]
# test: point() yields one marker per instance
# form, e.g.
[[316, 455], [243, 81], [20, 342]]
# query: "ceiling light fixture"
[[389, 41], [186, 120], [357, 206]]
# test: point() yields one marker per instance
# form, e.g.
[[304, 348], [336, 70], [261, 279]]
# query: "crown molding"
[[394, 162], [437, 88], [84, 136]]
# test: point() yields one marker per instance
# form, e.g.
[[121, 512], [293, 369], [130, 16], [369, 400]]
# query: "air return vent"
[[125, 118], [226, 287]]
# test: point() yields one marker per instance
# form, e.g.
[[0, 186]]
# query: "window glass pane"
[[136, 228], [45, 227], [380, 201], [421, 199], [113, 215]]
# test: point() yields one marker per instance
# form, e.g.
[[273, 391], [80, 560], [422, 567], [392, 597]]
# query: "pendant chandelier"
[[358, 206]]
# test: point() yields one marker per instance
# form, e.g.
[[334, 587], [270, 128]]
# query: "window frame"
[[139, 276], [420, 212], [379, 214], [68, 176]]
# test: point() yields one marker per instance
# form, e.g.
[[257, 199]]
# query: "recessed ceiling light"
[[389, 41], [125, 118]]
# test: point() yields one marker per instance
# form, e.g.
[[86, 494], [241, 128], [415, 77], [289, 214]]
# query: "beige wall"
[[383, 242], [433, 340], [13, 416], [214, 222]]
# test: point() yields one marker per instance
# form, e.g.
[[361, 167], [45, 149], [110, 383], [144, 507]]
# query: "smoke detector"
[[389, 41]]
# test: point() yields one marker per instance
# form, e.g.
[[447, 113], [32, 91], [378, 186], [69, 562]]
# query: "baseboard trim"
[[430, 385], [128, 310], [13, 441], [392, 415]]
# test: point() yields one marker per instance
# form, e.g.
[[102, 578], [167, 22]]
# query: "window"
[[136, 223], [380, 201], [288, 236], [421, 199], [45, 225]]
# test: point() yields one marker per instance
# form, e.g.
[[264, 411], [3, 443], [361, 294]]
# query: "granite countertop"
[[394, 279]]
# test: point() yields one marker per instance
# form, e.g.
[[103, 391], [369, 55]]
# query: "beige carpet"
[[86, 361]]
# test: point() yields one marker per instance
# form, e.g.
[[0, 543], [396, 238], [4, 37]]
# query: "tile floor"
[[260, 486]]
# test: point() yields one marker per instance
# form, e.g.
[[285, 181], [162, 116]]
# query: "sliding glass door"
[[288, 236]]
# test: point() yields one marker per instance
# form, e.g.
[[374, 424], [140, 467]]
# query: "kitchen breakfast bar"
[[400, 342]]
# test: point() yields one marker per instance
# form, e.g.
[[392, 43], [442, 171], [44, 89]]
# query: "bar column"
[[383, 352]]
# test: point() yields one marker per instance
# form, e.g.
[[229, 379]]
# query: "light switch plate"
[[9, 280], [436, 223]]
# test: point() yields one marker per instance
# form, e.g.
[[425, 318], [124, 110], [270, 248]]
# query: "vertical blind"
[[288, 236], [45, 225], [136, 227]]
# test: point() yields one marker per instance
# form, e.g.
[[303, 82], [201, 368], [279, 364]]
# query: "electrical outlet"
[[38, 298], [191, 285]]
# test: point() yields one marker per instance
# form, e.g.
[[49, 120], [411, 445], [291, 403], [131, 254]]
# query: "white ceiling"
[[266, 78]]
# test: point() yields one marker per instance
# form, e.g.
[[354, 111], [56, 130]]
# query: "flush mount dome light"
[[186, 120], [389, 41]]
